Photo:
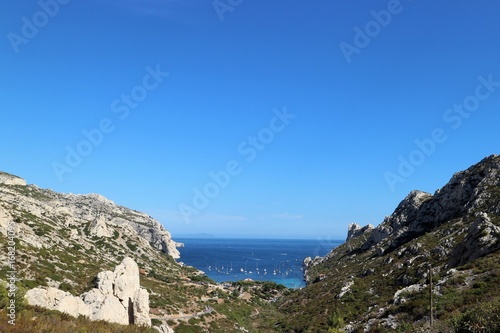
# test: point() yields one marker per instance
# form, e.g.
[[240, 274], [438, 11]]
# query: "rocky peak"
[[406, 212], [355, 230], [467, 192]]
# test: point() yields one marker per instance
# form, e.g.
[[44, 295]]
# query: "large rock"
[[126, 280], [106, 307], [399, 221], [141, 308], [55, 299], [118, 298], [105, 282]]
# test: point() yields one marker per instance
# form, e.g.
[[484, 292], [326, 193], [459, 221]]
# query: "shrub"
[[65, 286], [156, 322]]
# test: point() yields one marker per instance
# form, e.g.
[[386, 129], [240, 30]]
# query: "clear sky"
[[286, 119]]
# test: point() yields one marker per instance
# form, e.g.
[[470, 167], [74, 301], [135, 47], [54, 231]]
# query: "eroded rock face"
[[141, 308], [93, 214], [118, 298], [399, 221], [483, 237], [355, 230]]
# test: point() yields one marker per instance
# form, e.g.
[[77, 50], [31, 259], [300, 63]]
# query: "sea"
[[277, 260]]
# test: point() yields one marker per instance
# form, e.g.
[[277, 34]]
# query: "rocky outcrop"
[[355, 230], [117, 298], [8, 179], [99, 228], [399, 221], [483, 237], [55, 299]]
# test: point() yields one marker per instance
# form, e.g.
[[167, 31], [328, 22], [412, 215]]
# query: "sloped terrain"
[[65, 240], [379, 280]]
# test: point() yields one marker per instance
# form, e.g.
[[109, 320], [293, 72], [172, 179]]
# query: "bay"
[[277, 260]]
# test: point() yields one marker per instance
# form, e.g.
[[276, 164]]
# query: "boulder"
[[141, 308], [126, 280], [106, 307], [55, 299]]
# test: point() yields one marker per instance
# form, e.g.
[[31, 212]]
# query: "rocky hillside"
[[72, 253], [379, 279], [81, 217]]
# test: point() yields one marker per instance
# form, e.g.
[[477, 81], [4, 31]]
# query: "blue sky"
[[312, 115]]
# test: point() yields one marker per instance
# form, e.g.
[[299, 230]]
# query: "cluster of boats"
[[278, 269]]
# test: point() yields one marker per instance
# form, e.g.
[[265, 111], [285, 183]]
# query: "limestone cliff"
[[86, 215]]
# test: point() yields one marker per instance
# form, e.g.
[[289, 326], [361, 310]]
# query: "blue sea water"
[[257, 259]]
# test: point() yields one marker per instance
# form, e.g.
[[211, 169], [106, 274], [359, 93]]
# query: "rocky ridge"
[[382, 273], [85, 216]]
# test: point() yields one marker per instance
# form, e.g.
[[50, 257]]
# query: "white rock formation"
[[141, 307], [92, 214], [55, 299], [412, 289], [118, 298], [99, 227], [126, 280], [8, 179], [355, 230]]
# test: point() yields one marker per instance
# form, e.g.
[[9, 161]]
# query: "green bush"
[[156, 322], [65, 286]]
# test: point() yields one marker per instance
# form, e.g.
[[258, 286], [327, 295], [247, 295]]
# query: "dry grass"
[[38, 320]]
